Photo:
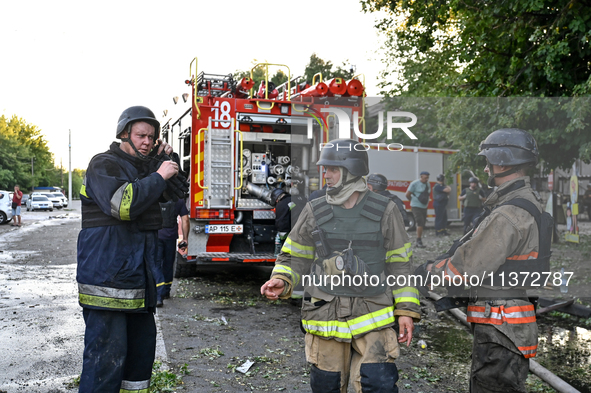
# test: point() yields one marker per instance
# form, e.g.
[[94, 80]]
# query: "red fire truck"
[[238, 142]]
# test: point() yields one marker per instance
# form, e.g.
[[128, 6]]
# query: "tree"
[[258, 75], [490, 48], [318, 65], [21, 143], [475, 48]]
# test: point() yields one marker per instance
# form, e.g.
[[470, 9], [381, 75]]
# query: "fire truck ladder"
[[218, 164]]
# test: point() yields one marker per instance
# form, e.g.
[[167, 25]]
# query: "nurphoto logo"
[[345, 125]]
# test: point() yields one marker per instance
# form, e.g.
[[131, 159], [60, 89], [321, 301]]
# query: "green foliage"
[[476, 48], [471, 48], [260, 72], [559, 125], [326, 68], [21, 143], [316, 64], [165, 381]]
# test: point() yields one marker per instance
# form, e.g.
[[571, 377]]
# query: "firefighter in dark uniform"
[[287, 209], [378, 183], [350, 232], [507, 240], [116, 251]]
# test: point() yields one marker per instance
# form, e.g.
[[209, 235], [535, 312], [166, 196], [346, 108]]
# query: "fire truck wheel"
[[182, 268], [412, 224]]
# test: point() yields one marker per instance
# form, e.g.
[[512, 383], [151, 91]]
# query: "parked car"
[[25, 199], [57, 202], [39, 202], [62, 197], [5, 207]]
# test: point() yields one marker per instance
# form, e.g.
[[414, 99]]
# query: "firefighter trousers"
[[497, 364], [119, 350], [165, 267], [367, 360]]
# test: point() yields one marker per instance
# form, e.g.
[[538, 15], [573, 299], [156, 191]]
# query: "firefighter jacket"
[[342, 317], [508, 234], [117, 243]]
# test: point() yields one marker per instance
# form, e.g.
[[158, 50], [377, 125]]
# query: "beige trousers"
[[348, 358]]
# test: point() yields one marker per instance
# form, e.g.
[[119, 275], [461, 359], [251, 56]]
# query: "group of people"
[[352, 232], [418, 193]]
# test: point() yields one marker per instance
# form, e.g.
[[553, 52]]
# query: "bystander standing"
[[16, 206], [418, 195]]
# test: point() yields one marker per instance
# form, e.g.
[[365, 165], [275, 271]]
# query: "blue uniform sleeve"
[[111, 187], [181, 208]]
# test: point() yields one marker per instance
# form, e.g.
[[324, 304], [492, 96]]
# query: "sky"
[[75, 65]]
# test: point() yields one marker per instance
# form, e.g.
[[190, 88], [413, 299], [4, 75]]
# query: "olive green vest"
[[473, 198], [359, 226]]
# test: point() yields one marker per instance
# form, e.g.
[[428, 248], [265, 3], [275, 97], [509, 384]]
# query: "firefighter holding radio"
[[116, 250], [339, 241]]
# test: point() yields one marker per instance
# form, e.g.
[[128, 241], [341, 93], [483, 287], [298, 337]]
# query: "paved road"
[[41, 325]]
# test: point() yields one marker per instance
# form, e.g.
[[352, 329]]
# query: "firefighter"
[[503, 319], [350, 233], [378, 183], [287, 210], [116, 250]]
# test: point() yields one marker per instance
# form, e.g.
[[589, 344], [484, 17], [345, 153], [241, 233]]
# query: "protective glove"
[[177, 187]]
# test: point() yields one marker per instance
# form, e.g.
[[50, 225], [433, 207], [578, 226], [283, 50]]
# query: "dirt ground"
[[218, 321]]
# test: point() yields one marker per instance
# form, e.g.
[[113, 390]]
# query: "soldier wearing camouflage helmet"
[[350, 232], [511, 238]]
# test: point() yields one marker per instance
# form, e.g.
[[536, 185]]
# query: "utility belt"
[[461, 298]]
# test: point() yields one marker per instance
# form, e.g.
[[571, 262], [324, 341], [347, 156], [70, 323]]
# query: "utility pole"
[[32, 174], [70, 166]]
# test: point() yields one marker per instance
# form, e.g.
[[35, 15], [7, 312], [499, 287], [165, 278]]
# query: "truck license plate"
[[223, 229]]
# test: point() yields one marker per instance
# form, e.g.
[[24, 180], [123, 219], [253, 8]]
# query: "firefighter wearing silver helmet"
[[338, 239], [510, 240]]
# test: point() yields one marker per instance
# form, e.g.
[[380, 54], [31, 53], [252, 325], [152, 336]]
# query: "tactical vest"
[[359, 227], [514, 270], [473, 198], [168, 217]]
